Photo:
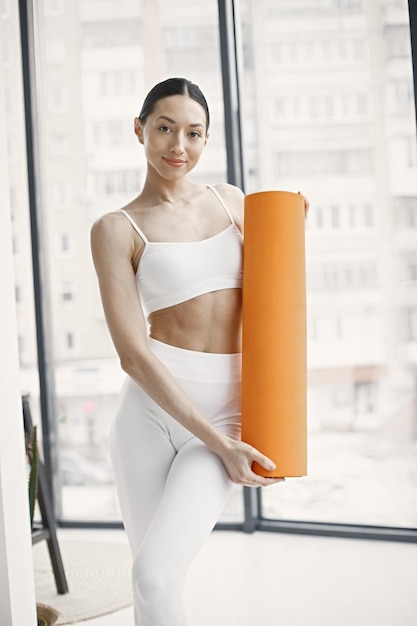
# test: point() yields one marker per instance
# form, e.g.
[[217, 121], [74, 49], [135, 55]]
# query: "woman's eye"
[[164, 129], [194, 134]]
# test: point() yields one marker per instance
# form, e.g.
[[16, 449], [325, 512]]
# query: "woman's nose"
[[177, 143]]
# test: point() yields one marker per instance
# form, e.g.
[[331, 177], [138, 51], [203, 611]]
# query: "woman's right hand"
[[238, 457]]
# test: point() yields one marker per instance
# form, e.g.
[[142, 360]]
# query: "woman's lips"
[[174, 162]]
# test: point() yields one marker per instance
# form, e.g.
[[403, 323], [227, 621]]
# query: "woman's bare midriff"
[[208, 323]]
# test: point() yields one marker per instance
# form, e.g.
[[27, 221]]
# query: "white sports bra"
[[171, 272]]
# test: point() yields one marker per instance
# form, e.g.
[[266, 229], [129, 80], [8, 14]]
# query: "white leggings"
[[171, 487]]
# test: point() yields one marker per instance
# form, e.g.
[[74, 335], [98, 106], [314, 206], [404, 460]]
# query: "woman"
[[169, 267]]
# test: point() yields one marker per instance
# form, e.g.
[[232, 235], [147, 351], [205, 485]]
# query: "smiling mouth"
[[174, 162]]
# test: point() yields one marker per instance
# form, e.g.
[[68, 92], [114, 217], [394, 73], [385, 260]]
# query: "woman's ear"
[[138, 129]]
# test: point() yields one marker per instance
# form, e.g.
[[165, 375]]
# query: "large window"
[[327, 108], [96, 62], [330, 111]]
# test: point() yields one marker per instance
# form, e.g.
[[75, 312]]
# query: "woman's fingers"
[[267, 464], [263, 460], [239, 466]]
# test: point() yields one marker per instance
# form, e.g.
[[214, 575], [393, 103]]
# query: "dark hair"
[[173, 87]]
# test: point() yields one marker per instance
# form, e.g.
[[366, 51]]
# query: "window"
[[61, 196], [64, 246], [59, 147], [315, 97], [112, 34], [18, 294], [67, 292], [113, 182], [118, 82], [183, 38], [110, 133], [58, 98], [400, 95], [94, 70], [69, 344], [360, 300], [397, 37], [321, 163], [5, 9], [412, 324]]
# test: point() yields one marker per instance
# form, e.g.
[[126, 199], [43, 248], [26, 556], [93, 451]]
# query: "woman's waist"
[[208, 324], [198, 365]]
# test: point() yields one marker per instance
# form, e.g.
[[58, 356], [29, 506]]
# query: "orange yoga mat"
[[274, 360]]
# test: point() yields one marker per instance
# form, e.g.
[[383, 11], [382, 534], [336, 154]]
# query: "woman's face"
[[173, 136]]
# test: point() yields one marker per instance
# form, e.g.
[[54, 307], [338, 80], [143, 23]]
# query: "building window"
[[411, 270], [118, 83], [397, 39], [182, 38], [400, 97], [325, 52], [20, 347], [412, 324], [368, 216], [69, 344], [335, 216], [331, 163], [58, 98], [59, 147], [342, 275], [411, 152], [64, 245], [67, 291], [114, 182], [5, 9], [7, 55], [111, 34], [408, 208], [110, 133], [61, 195]]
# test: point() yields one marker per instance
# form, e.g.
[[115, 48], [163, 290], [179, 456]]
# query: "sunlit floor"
[[288, 580]]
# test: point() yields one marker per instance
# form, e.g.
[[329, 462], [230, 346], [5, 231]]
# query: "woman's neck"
[[158, 190]]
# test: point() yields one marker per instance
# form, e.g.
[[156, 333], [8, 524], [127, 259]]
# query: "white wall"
[[17, 594]]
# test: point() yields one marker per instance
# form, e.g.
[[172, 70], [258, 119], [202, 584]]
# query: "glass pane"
[[329, 110], [16, 179], [97, 62]]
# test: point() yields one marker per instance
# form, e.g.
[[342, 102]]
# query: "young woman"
[[169, 267]]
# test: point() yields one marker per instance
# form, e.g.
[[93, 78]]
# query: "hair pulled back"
[[173, 87]]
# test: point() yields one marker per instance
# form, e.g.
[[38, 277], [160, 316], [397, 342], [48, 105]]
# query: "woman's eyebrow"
[[171, 121]]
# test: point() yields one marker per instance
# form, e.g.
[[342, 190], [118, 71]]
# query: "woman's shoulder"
[[229, 192], [233, 198], [107, 222], [112, 225]]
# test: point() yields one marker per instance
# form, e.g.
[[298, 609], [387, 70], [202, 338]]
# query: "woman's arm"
[[112, 257]]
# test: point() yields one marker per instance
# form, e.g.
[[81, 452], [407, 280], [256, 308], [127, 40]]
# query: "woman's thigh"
[[196, 491], [142, 454]]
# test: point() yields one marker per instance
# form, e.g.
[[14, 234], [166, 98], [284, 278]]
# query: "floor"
[[288, 580]]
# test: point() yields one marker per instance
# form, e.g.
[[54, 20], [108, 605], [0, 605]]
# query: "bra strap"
[[135, 226], [216, 193]]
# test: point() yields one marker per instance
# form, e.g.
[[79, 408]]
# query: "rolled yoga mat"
[[274, 355]]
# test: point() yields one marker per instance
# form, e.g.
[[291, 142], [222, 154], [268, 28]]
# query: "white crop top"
[[172, 272]]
